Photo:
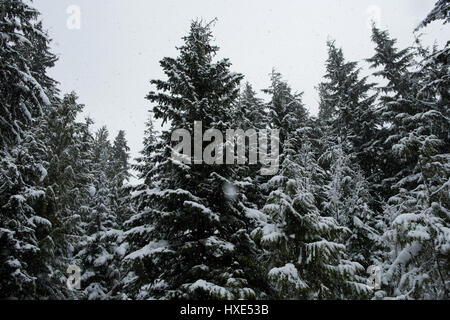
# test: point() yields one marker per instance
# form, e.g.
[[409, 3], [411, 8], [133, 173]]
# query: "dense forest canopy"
[[363, 186]]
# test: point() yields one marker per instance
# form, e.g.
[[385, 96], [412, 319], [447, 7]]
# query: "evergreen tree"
[[100, 278], [305, 256], [200, 247], [286, 110], [22, 230], [25, 94], [251, 111], [348, 201], [119, 161], [347, 107], [120, 191], [395, 102], [418, 235], [139, 225], [67, 180], [251, 115], [24, 85]]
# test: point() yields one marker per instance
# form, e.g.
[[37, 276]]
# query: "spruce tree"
[[417, 235], [98, 256], [303, 250], [199, 246], [347, 199], [24, 86], [251, 115], [394, 66], [139, 225], [347, 107], [26, 92], [68, 158]]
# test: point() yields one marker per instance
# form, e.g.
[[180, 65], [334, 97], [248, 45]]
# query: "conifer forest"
[[358, 208]]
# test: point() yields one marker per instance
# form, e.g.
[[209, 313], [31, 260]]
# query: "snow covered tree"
[[22, 231], [119, 176], [395, 102], [146, 162], [304, 251], [347, 107], [100, 261], [348, 201], [26, 261], [68, 159], [24, 58], [286, 110], [139, 225], [305, 257], [433, 72], [119, 159], [198, 246], [251, 115], [418, 236], [250, 109]]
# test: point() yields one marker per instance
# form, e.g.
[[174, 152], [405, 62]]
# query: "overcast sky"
[[109, 61]]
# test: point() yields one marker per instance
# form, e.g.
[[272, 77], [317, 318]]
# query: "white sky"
[[110, 60]]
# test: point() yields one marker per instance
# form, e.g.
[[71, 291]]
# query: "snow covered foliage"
[[348, 201], [24, 87], [199, 243], [418, 140], [441, 11], [347, 109], [101, 263], [27, 258], [366, 184], [306, 257], [304, 248], [22, 229]]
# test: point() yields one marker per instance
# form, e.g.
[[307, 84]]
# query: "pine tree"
[[119, 160], [348, 201], [304, 253], [199, 245], [306, 256], [417, 234], [26, 92], [25, 87], [395, 102], [347, 107], [22, 231], [251, 115], [286, 110], [146, 162], [99, 256], [67, 181], [139, 225], [251, 110], [120, 192]]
